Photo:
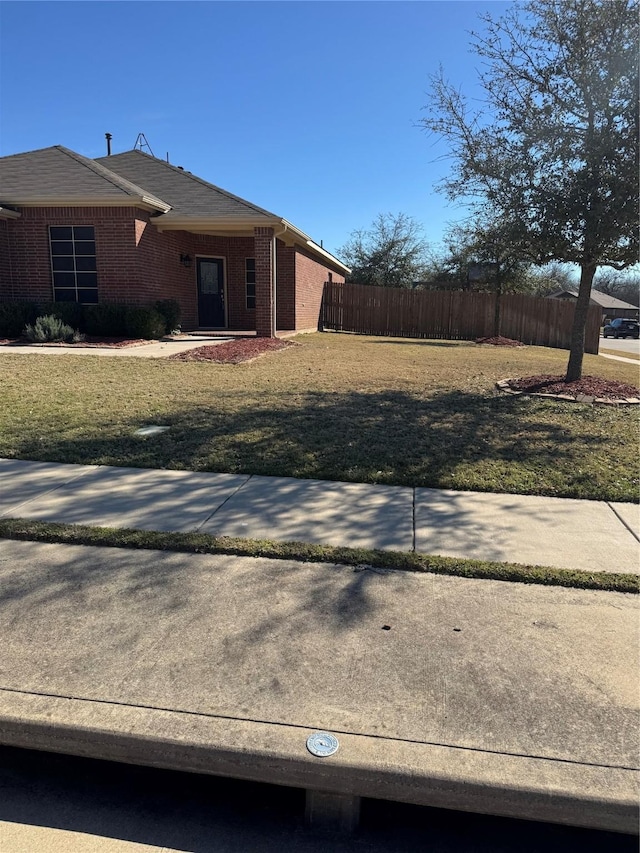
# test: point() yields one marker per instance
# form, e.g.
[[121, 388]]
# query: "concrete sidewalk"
[[154, 349], [563, 533], [467, 694]]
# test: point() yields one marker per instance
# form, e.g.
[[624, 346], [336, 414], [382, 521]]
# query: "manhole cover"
[[322, 744]]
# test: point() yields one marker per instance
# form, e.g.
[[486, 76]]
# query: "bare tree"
[[554, 147], [392, 252], [624, 287]]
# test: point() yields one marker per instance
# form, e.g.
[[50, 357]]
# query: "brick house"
[[131, 228]]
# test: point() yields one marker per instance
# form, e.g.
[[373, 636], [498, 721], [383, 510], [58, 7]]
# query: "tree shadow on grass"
[[453, 439]]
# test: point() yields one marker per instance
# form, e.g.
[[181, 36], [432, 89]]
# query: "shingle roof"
[[601, 299], [57, 173], [187, 194]]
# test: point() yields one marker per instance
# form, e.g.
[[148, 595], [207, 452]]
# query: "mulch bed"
[[233, 352], [499, 341], [589, 386]]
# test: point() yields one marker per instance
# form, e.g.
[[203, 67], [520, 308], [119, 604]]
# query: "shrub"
[[112, 320], [171, 311], [144, 323], [105, 320], [51, 329], [14, 316], [70, 313]]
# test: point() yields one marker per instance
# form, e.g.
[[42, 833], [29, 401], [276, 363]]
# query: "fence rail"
[[452, 315]]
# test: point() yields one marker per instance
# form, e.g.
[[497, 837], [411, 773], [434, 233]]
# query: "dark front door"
[[210, 273]]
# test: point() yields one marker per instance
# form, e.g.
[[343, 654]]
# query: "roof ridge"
[[101, 171], [198, 180]]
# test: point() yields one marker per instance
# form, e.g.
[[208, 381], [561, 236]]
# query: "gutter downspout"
[[274, 278]]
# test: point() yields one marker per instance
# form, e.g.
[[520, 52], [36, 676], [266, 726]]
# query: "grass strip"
[[202, 543]]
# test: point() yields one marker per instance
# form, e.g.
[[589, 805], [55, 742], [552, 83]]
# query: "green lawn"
[[337, 407]]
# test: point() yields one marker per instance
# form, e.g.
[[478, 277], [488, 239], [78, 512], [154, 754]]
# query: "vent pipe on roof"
[[108, 137]]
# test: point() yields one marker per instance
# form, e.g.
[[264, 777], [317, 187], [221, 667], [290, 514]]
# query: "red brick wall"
[[285, 287], [6, 291], [115, 250], [138, 264], [310, 278], [262, 247]]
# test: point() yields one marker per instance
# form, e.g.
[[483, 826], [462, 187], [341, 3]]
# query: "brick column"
[[264, 314]]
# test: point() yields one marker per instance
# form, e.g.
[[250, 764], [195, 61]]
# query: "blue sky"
[[309, 109]]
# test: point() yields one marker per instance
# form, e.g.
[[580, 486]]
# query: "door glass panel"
[[209, 283]]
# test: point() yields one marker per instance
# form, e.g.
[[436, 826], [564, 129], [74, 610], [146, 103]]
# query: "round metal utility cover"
[[322, 744]]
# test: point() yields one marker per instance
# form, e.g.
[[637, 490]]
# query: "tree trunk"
[[576, 351]]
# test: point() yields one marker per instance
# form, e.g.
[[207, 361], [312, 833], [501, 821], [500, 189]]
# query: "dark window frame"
[[72, 281], [250, 283]]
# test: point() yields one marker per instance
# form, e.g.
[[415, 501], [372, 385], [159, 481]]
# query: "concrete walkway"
[[620, 358], [154, 349], [564, 533]]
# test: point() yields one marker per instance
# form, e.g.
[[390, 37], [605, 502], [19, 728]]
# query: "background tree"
[[551, 278], [393, 252], [554, 147], [482, 254], [624, 287]]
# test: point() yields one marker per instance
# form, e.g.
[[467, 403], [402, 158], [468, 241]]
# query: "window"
[[73, 263], [250, 281]]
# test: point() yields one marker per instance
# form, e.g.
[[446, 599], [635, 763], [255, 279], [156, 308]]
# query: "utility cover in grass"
[[151, 430]]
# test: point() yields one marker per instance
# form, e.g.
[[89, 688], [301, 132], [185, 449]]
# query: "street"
[[61, 804], [622, 345]]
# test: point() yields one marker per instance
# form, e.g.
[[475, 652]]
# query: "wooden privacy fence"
[[452, 315]]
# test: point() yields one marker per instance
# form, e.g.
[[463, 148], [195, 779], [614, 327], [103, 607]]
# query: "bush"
[[105, 320], [144, 323], [171, 311], [51, 329], [70, 313], [14, 316], [113, 320]]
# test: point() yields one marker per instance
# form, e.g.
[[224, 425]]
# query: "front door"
[[210, 274]]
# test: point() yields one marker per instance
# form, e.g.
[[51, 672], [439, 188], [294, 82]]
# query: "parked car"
[[620, 328]]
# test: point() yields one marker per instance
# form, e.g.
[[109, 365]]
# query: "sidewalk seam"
[[224, 502], [304, 727], [413, 508], [622, 521]]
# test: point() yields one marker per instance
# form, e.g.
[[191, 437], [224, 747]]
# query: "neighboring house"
[[132, 228], [611, 307]]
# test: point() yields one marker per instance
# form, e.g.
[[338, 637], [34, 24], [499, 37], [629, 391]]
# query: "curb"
[[435, 775], [504, 388]]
